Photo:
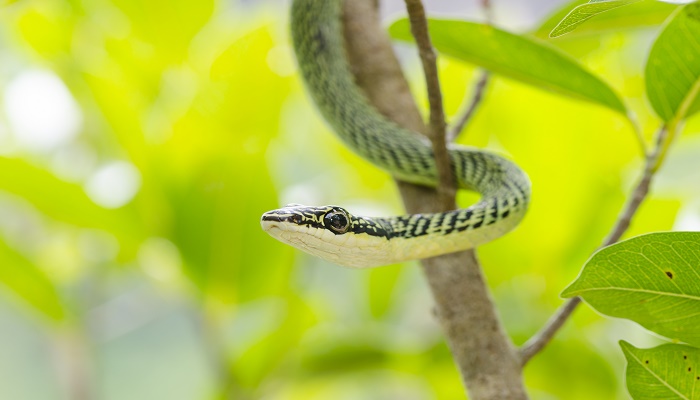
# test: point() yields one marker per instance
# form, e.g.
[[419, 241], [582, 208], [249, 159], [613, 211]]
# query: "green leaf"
[[516, 57], [637, 14], [652, 279], [673, 68], [60, 200], [669, 371], [582, 13], [29, 282]]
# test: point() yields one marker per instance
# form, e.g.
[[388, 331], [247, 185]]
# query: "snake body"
[[335, 234]]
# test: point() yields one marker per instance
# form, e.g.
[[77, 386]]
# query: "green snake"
[[335, 234]]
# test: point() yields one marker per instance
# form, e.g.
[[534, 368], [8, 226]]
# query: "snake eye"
[[337, 221], [296, 218]]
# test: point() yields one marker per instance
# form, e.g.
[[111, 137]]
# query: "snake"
[[334, 233]]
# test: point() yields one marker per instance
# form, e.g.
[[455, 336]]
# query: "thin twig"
[[640, 192], [488, 11], [536, 343], [470, 107], [478, 95], [419, 30]]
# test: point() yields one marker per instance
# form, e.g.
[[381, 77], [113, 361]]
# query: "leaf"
[[516, 57], [669, 371], [29, 283], [652, 279], [637, 14], [582, 13], [673, 68], [63, 201]]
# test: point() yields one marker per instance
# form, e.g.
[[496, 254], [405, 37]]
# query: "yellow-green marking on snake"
[[335, 234]]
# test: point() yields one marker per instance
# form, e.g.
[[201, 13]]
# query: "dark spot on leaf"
[[689, 369], [669, 274], [647, 361], [697, 377], [685, 357]]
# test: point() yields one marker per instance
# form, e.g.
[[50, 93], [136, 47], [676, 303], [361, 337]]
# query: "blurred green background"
[[140, 141]]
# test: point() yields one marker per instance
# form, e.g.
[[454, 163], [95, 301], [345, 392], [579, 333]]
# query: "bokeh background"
[[140, 141]]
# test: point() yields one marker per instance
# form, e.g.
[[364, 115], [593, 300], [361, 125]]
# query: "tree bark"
[[484, 354]]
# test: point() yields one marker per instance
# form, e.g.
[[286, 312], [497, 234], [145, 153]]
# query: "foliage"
[[177, 293], [652, 279], [664, 372], [516, 57]]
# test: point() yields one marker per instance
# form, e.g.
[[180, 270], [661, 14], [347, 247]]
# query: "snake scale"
[[335, 234]]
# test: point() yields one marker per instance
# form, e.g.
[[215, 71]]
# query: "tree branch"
[[470, 107], [419, 28], [485, 356], [535, 344]]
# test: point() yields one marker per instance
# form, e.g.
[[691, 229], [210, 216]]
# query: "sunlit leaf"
[[664, 372], [29, 283], [651, 279], [673, 68], [582, 13], [516, 57], [637, 14], [168, 25]]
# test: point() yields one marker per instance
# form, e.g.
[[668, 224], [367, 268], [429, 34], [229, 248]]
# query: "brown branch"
[[419, 29], [482, 351], [470, 107], [536, 343]]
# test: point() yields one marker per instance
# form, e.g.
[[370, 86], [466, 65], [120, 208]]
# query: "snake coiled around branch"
[[335, 234]]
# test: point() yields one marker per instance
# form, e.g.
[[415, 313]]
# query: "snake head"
[[334, 219], [329, 232]]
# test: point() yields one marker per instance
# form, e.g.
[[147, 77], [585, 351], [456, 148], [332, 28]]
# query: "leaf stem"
[[664, 137]]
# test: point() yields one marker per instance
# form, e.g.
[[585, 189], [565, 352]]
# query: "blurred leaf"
[[582, 13], [342, 353], [270, 350], [29, 282], [651, 279], [167, 25], [636, 15], [382, 282], [222, 183], [673, 68], [664, 372], [63, 201], [516, 57], [48, 33]]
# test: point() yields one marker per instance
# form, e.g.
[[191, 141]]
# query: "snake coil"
[[333, 233]]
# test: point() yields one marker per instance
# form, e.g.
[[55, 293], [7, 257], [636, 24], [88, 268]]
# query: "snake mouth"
[[270, 217], [271, 221]]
